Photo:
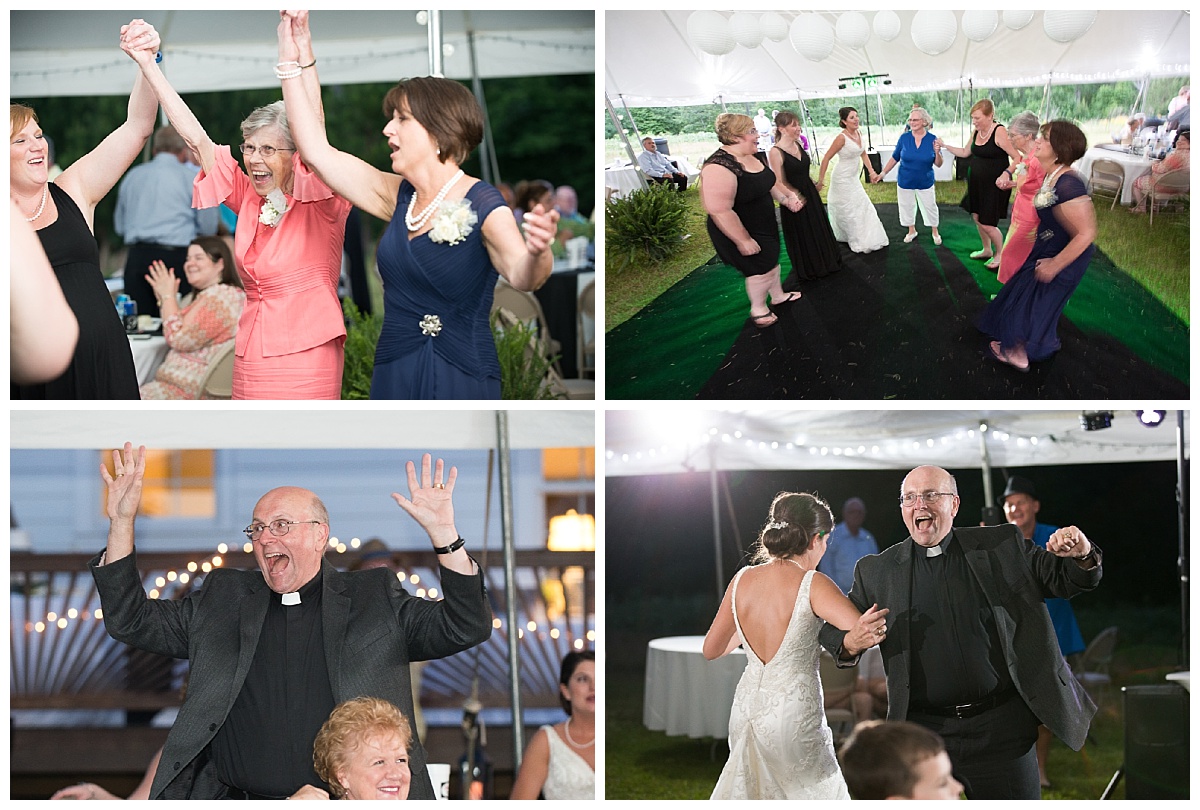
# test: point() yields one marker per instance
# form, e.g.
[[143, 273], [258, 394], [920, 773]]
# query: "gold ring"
[[119, 475], [439, 486]]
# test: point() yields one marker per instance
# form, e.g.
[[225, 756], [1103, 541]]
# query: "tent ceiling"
[[444, 429], [650, 62], [75, 53], [672, 442]]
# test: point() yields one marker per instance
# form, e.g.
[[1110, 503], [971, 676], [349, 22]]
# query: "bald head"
[[292, 559], [930, 517]]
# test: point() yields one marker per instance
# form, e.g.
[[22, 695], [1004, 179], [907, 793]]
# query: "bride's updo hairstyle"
[[794, 518]]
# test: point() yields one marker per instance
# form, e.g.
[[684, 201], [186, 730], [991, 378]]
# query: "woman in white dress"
[[560, 760], [851, 212], [780, 746]]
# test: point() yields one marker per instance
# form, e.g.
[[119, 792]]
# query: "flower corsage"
[[273, 208], [453, 223], [1046, 196]]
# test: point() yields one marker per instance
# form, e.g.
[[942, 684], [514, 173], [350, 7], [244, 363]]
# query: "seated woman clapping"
[[198, 331], [361, 752]]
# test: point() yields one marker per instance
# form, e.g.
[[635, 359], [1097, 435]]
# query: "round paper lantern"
[[933, 32], [1016, 20], [774, 27], [709, 32], [812, 37], [1067, 26], [852, 29], [886, 25], [979, 25], [746, 30]]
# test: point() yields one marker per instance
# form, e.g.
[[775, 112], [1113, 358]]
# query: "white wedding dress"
[[851, 212], [780, 746]]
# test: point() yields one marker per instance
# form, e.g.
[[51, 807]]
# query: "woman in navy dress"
[[449, 237], [1023, 318]]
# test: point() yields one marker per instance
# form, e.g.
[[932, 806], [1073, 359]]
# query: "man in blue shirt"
[[659, 168], [1020, 509], [848, 543], [155, 217]]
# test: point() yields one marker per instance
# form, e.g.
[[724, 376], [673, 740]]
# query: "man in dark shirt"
[[970, 652], [272, 653]]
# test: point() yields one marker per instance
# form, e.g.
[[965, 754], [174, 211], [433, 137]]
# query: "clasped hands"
[[140, 41], [163, 281]]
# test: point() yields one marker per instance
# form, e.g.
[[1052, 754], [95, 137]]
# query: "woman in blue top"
[[449, 235], [917, 156]]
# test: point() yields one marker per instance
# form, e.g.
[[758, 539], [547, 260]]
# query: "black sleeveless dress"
[[756, 209], [102, 367], [807, 233], [988, 162]]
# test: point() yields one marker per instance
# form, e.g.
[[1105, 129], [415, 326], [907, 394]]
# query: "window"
[[178, 484]]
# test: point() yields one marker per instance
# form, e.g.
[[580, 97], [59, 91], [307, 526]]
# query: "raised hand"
[[140, 41], [1069, 541], [869, 630], [289, 51], [163, 281], [540, 226], [431, 501], [125, 482], [300, 30]]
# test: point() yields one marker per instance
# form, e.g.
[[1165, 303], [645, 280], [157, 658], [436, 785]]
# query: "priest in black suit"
[[970, 652], [272, 653]]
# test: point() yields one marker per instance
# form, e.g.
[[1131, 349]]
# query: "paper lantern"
[[852, 29], [886, 25], [1016, 20], [746, 29], [812, 37], [1067, 26], [979, 25], [774, 27], [933, 32], [709, 32]]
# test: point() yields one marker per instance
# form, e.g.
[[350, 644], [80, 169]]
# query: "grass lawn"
[[1158, 257]]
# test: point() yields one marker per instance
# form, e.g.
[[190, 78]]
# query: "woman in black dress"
[[737, 188], [62, 212], [807, 233], [992, 154]]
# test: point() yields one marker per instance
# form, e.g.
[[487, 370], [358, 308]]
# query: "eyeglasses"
[[265, 151], [931, 498], [278, 527]]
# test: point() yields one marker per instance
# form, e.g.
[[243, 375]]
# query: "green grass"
[[1157, 258]]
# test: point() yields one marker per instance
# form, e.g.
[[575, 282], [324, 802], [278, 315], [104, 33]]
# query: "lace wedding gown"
[[851, 212], [780, 746]]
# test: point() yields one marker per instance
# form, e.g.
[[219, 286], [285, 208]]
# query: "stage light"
[[1151, 418], [1095, 420]]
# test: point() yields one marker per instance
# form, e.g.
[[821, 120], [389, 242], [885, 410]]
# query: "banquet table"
[[625, 177], [687, 694], [941, 174], [1135, 166], [148, 353]]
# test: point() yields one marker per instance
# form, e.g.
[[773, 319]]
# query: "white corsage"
[[273, 208], [1046, 196], [453, 223], [1018, 173]]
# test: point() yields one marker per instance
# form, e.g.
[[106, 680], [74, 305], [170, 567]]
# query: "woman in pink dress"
[[1026, 177], [289, 243]]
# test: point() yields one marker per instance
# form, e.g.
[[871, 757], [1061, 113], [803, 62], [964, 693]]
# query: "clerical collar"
[[307, 590], [940, 548]]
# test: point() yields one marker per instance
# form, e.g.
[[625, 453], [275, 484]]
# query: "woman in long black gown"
[[807, 233], [62, 212]]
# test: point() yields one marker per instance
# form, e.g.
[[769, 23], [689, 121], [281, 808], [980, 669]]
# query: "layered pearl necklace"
[[417, 223], [571, 740], [42, 207]]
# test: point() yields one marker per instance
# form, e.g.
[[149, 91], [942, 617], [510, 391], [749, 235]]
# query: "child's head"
[[885, 760]]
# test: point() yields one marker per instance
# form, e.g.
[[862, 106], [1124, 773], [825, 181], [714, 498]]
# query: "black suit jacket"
[[372, 630], [1015, 576]]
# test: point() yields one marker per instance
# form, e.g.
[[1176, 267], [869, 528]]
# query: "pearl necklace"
[[42, 207], [571, 740], [416, 224]]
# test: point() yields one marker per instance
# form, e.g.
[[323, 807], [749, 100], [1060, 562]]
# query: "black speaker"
[[876, 161], [960, 167], [1156, 742]]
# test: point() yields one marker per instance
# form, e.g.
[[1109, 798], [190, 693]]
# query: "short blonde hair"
[[348, 726], [984, 105], [731, 126], [20, 115]]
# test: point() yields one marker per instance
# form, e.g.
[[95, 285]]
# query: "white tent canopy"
[[649, 442], [76, 53], [651, 62]]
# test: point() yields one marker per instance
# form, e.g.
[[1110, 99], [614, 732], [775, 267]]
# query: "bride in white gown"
[[851, 212], [780, 746]]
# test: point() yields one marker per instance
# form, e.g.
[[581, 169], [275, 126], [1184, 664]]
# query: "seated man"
[[659, 168], [897, 760]]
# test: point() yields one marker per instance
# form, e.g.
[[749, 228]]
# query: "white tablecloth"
[[148, 354], [626, 177], [1135, 166], [941, 174], [686, 694]]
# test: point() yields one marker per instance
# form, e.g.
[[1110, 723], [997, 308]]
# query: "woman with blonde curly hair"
[[361, 752]]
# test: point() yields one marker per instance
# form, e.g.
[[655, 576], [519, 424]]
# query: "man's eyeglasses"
[[278, 527], [930, 498], [265, 151]]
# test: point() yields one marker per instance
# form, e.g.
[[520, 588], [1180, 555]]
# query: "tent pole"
[[990, 514], [612, 114], [812, 127], [434, 36], [1044, 112], [716, 516], [510, 583], [1181, 497], [637, 132], [487, 149], [721, 101]]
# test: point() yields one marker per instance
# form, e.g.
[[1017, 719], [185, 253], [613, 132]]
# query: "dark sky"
[[659, 536]]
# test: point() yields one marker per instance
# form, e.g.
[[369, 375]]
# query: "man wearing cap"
[[970, 652], [1021, 505]]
